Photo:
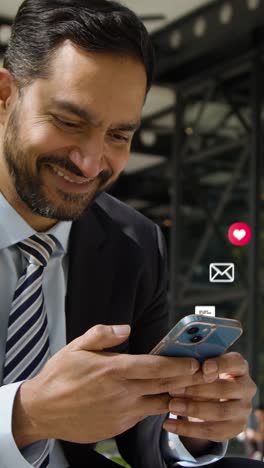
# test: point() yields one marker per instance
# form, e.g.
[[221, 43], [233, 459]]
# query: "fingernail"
[[121, 330], [210, 367]]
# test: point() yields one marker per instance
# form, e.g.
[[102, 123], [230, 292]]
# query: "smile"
[[70, 183], [59, 173]]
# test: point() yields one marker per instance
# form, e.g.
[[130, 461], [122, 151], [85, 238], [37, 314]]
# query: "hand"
[[222, 404], [85, 395]]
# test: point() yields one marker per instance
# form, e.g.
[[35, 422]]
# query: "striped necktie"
[[27, 345]]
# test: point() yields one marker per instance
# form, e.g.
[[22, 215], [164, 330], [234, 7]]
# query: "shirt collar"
[[13, 228]]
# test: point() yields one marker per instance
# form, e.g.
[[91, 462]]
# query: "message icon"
[[222, 273], [239, 234]]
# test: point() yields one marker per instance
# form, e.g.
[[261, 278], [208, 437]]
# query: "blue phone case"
[[215, 335]]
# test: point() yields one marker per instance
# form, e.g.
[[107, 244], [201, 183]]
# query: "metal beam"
[[175, 236]]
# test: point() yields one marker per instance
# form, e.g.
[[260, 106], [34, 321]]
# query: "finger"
[[155, 367], [212, 430], [174, 389], [154, 405], [210, 411], [100, 337], [172, 386], [237, 389], [230, 363]]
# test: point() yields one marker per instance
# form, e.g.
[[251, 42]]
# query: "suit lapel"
[[91, 271]]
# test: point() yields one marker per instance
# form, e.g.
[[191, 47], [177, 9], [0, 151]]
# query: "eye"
[[66, 123], [119, 137]]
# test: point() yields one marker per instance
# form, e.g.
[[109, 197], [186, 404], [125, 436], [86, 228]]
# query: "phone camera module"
[[193, 330], [196, 338]]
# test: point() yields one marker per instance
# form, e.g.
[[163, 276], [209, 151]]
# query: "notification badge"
[[239, 234]]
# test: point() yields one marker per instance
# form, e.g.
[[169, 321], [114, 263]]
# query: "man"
[[71, 95]]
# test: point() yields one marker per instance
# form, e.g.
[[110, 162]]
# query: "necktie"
[[27, 345]]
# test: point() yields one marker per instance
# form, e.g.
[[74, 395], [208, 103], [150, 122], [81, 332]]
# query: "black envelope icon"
[[222, 272]]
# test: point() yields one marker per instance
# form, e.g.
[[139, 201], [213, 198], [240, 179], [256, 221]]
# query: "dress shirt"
[[13, 229]]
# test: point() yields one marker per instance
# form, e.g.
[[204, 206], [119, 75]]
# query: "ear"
[[6, 89]]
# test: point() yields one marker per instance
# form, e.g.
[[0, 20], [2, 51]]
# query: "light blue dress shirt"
[[13, 229]]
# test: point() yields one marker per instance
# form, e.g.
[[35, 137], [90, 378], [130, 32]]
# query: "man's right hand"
[[84, 394]]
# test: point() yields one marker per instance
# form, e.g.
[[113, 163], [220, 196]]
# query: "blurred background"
[[196, 163]]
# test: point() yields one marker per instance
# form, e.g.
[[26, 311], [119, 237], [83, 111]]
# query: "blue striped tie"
[[27, 345]]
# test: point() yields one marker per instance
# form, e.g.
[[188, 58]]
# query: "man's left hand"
[[222, 403]]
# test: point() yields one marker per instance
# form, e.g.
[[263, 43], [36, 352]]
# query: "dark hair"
[[104, 26]]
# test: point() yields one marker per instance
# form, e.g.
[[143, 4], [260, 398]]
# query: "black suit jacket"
[[117, 275]]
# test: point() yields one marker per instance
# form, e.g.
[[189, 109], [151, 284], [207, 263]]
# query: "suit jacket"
[[117, 275]]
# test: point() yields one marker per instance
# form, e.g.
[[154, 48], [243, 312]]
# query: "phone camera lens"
[[193, 330], [196, 338]]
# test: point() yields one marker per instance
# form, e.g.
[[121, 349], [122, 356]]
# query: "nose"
[[89, 157]]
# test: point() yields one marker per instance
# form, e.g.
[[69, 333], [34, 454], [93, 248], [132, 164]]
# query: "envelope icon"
[[222, 272]]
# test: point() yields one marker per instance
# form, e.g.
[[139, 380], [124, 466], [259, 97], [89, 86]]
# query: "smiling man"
[[74, 82], [68, 137]]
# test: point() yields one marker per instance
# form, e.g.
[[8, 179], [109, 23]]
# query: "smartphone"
[[199, 337]]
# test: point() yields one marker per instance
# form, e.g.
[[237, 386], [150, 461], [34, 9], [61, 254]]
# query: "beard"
[[29, 184]]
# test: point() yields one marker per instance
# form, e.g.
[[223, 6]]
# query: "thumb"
[[102, 336]]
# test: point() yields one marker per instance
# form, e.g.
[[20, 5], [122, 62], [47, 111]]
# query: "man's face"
[[68, 137]]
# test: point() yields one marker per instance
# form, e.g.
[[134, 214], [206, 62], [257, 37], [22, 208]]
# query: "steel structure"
[[213, 60]]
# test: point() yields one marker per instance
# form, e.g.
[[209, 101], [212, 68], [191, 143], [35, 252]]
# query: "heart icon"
[[239, 233]]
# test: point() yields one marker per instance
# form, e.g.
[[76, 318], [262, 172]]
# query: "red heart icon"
[[239, 234]]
